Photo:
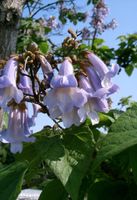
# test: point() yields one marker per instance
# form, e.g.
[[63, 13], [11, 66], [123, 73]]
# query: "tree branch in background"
[[46, 6]]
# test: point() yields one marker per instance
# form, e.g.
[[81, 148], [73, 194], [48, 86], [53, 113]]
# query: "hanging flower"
[[46, 68], [18, 130], [25, 83], [36, 110], [96, 101], [103, 74], [65, 96], [8, 87]]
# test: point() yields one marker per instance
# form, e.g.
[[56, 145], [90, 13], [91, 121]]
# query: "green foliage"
[[72, 166], [108, 190], [125, 101], [32, 30], [54, 190], [68, 158], [36, 154], [11, 179], [69, 14], [126, 54], [82, 162], [44, 47], [92, 1], [103, 51], [133, 161], [121, 136]]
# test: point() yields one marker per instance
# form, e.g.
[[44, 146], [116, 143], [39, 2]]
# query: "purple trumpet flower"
[[71, 117], [36, 110], [96, 101], [25, 83], [65, 78], [94, 79], [102, 72], [46, 68], [65, 97], [18, 129], [86, 85], [8, 87]]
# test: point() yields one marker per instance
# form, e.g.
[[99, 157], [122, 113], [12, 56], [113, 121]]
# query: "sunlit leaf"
[[122, 135]]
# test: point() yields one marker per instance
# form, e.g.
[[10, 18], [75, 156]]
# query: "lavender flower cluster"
[[100, 11], [66, 96], [74, 100], [97, 21], [11, 100], [51, 22]]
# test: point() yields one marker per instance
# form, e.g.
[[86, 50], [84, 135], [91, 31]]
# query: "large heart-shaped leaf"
[[72, 166], [108, 190], [67, 156], [54, 190], [122, 135], [11, 179]]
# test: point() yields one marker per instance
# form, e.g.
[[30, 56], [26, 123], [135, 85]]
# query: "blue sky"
[[125, 12]]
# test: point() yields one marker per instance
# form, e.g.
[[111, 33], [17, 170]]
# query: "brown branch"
[[28, 6], [33, 84], [94, 37], [30, 99], [46, 6], [34, 7], [57, 124]]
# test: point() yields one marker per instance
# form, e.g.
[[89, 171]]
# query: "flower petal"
[[113, 89], [63, 81], [85, 84], [79, 97], [98, 64], [16, 147], [66, 68], [99, 105], [113, 70], [94, 117], [82, 114], [71, 118], [94, 79], [100, 93]]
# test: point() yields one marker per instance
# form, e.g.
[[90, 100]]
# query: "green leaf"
[[132, 192], [133, 161], [54, 190], [68, 157], [11, 179], [107, 190], [92, 1], [125, 101], [72, 166], [47, 30], [129, 69], [105, 119], [83, 132], [98, 41], [44, 147], [44, 47], [122, 135]]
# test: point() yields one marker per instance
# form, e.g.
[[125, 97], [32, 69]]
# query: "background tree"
[[10, 13]]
